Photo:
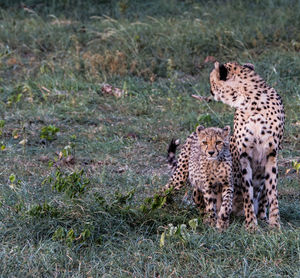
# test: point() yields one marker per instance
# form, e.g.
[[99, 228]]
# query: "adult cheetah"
[[254, 145], [205, 161]]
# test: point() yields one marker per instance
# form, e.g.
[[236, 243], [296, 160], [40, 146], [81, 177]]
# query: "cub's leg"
[[199, 200], [226, 206], [210, 200]]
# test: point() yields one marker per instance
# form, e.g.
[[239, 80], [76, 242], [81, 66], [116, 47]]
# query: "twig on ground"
[[202, 98]]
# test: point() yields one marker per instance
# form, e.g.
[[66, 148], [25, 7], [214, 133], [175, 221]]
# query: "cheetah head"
[[228, 82], [213, 140]]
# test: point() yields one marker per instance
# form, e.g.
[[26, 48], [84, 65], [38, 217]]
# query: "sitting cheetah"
[[205, 160], [258, 131]]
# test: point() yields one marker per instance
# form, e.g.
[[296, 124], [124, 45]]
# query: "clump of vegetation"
[[49, 132], [157, 201], [43, 210], [72, 184], [70, 237]]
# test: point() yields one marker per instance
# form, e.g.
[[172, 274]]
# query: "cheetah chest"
[[205, 173]]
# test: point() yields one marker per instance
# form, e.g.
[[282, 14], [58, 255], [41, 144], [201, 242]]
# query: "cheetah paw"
[[222, 225], [209, 221], [276, 225], [251, 227]]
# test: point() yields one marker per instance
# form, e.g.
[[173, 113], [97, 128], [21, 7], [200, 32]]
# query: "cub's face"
[[212, 140]]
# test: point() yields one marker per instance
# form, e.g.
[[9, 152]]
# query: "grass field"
[[77, 164]]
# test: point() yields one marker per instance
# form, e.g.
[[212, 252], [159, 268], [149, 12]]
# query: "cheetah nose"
[[211, 152]]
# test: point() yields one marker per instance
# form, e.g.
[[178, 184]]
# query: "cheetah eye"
[[218, 142], [204, 142]]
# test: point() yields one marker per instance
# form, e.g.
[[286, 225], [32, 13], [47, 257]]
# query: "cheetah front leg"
[[271, 189], [226, 206], [263, 203], [210, 200], [247, 188], [199, 200]]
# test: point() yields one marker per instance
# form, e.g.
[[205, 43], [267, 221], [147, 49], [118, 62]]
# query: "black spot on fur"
[[244, 154], [273, 153], [223, 72]]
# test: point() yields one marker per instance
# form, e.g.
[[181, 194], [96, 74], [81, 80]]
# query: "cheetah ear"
[[223, 72], [226, 130], [249, 66], [200, 128], [217, 65]]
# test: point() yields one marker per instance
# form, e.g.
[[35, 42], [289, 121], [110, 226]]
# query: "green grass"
[[55, 57]]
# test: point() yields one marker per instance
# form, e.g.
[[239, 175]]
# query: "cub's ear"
[[249, 66], [223, 72], [199, 128], [226, 130]]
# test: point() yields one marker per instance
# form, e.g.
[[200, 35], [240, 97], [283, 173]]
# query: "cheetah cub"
[[205, 162]]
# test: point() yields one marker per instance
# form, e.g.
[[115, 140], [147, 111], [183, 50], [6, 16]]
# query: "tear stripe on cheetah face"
[[258, 131], [205, 161]]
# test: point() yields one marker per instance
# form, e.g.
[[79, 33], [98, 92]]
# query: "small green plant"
[[18, 93], [178, 232], [205, 119], [43, 211], [70, 236], [72, 184], [14, 98], [70, 148], [156, 202], [18, 207], [2, 124], [296, 166], [2, 145], [59, 234], [49, 132], [100, 200], [194, 223], [122, 199], [12, 178], [14, 182]]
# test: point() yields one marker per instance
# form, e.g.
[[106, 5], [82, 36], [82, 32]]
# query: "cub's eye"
[[218, 142], [204, 142]]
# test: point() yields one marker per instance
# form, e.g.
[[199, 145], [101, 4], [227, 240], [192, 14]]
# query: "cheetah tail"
[[172, 153]]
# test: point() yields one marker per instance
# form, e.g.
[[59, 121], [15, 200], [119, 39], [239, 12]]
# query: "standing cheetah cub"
[[205, 161]]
